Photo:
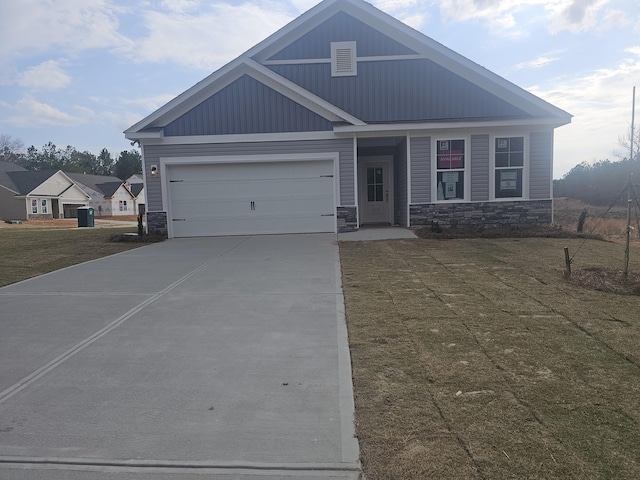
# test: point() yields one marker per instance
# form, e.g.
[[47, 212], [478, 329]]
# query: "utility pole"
[[626, 251]]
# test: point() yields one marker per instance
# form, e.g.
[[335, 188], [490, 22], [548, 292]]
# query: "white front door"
[[375, 195]]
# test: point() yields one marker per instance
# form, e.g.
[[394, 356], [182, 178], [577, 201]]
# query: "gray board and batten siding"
[[343, 146], [401, 90], [342, 27], [246, 106]]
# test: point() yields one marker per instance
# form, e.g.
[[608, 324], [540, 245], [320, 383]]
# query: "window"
[[125, 205], [45, 206], [509, 167], [375, 185], [120, 205], [450, 164], [34, 206], [343, 59]]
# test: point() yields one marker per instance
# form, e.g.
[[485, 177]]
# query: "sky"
[[79, 72]]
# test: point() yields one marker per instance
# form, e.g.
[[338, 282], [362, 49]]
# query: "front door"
[[375, 196]]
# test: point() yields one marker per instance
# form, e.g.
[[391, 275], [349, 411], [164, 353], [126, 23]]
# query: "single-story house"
[[136, 185], [38, 195], [110, 196], [343, 118]]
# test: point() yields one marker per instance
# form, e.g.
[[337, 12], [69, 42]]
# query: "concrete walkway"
[[224, 357]]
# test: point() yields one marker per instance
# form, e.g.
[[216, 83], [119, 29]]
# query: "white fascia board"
[[185, 101], [293, 30], [143, 135], [429, 127], [224, 77], [246, 138], [301, 96], [424, 46], [9, 189]]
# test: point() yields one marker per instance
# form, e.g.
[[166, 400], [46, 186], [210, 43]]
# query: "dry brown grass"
[[475, 359], [29, 252]]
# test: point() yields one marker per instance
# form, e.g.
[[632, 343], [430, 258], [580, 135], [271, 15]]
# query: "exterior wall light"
[[154, 170]]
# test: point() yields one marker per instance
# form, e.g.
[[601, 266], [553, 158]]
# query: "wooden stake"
[[567, 262]]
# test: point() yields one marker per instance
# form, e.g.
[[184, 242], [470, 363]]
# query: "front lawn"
[[26, 253], [476, 359]]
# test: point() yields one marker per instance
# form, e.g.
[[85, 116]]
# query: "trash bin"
[[85, 217]]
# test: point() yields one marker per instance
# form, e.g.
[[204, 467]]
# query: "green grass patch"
[[477, 359], [26, 253]]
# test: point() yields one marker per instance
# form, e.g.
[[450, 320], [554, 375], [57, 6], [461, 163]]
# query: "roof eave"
[[417, 127]]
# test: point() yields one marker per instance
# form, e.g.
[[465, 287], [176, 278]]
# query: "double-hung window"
[[45, 206], [509, 163], [450, 168], [34, 206]]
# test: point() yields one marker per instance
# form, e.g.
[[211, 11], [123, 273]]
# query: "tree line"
[[69, 159], [601, 183]]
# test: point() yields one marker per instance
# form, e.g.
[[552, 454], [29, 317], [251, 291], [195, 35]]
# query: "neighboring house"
[[110, 196], [347, 117], [136, 185], [37, 195], [135, 178], [137, 190]]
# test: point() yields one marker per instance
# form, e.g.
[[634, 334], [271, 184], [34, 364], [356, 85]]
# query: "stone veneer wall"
[[347, 219], [484, 214], [157, 223]]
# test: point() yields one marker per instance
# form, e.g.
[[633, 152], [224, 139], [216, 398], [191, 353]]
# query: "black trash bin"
[[85, 217]]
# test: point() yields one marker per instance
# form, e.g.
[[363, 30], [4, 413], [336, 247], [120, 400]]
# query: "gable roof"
[[27, 181], [104, 184], [5, 180], [136, 188], [275, 62]]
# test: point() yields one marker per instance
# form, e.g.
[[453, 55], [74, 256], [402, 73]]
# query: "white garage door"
[[251, 198]]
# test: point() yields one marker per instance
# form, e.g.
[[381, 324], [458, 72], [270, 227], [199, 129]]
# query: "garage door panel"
[[252, 198]]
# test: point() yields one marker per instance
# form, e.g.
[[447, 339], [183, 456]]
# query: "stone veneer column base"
[[347, 219], [157, 223], [484, 214]]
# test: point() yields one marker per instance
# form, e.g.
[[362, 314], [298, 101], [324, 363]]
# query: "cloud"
[[539, 62], [66, 26], [511, 17], [32, 113], [601, 104], [48, 75], [574, 15], [208, 38]]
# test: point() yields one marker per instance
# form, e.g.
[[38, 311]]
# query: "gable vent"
[[343, 59]]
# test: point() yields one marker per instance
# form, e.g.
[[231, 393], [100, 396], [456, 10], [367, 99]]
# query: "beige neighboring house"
[[136, 184], [110, 196], [38, 195]]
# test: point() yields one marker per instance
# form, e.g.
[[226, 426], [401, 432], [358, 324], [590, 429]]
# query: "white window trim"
[[343, 47], [434, 167], [44, 206], [492, 167]]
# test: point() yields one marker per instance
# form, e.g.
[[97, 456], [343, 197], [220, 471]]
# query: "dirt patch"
[[606, 280], [135, 238]]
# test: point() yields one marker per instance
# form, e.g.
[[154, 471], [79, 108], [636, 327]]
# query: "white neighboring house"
[[110, 196], [136, 185]]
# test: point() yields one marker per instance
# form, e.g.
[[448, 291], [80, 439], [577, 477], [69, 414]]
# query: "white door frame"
[[386, 161]]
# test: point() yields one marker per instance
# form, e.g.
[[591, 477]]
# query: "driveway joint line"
[[51, 365]]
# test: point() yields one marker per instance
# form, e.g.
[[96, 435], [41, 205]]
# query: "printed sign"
[[508, 180]]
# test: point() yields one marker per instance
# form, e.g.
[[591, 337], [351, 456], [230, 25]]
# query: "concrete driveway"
[[220, 357]]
